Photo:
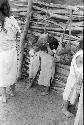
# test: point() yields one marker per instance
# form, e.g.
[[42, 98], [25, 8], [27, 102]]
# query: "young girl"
[[8, 53], [74, 81]]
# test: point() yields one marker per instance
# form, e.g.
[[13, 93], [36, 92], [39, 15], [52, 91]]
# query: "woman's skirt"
[[8, 67]]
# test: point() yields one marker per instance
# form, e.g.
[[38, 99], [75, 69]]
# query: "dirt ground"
[[28, 107]]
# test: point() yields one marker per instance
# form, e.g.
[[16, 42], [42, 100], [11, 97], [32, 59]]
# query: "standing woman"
[[74, 82], [8, 54]]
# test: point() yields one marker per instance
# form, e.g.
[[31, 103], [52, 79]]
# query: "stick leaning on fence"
[[23, 35], [62, 50]]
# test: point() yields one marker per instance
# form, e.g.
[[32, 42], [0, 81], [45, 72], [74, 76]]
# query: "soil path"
[[30, 108]]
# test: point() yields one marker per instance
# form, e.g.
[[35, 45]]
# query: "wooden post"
[[23, 36], [63, 51], [70, 28], [69, 43]]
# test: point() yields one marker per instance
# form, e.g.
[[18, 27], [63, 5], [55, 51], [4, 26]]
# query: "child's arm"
[[79, 61], [49, 50], [79, 64], [15, 24]]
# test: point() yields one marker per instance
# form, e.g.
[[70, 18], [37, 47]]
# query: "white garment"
[[34, 64], [8, 52], [46, 64], [47, 69], [8, 67], [79, 114], [72, 80], [8, 37]]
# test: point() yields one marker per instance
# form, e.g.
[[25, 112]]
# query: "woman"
[[74, 81], [8, 54]]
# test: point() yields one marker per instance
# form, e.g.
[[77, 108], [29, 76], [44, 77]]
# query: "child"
[[34, 65], [43, 60], [74, 81], [8, 53]]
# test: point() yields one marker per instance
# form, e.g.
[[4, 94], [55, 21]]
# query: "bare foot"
[[44, 93], [12, 90], [4, 99], [67, 113], [28, 87], [12, 93], [0, 98]]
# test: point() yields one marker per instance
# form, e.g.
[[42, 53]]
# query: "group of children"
[[43, 57], [42, 61]]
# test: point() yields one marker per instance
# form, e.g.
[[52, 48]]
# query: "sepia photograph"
[[41, 62]]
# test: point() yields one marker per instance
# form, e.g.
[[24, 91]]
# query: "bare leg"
[[12, 89], [65, 109], [4, 99], [45, 92], [29, 85]]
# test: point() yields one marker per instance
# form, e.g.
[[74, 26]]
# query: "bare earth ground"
[[28, 107]]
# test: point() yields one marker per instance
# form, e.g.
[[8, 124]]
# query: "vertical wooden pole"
[[23, 36], [63, 35], [70, 28]]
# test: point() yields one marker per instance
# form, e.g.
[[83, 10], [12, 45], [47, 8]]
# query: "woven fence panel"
[[54, 18]]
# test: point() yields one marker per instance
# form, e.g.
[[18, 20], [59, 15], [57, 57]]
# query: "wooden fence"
[[54, 18]]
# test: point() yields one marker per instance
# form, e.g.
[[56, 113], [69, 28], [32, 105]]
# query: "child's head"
[[4, 10], [41, 43], [31, 52], [53, 42]]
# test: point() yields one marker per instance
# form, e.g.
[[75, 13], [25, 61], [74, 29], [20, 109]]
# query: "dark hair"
[[4, 11], [43, 48], [53, 42]]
